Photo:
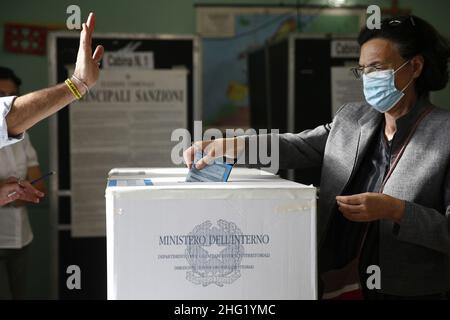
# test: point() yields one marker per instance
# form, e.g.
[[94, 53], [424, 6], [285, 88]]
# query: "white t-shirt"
[[15, 229], [5, 106]]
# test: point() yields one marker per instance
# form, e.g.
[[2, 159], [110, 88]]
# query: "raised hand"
[[87, 65]]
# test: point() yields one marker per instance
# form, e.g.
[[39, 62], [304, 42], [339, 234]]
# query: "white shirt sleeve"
[[30, 152], [5, 106]]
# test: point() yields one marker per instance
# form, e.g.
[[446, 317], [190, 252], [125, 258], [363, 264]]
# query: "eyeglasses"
[[358, 72], [370, 70]]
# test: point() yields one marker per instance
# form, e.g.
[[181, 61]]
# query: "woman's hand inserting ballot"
[[213, 149], [13, 189]]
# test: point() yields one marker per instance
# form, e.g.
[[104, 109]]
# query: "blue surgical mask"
[[380, 90]]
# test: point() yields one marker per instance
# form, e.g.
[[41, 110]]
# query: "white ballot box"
[[253, 237]]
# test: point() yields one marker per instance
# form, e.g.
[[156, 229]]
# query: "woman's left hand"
[[371, 206]]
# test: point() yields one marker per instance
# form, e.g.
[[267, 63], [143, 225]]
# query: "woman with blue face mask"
[[383, 224], [380, 91]]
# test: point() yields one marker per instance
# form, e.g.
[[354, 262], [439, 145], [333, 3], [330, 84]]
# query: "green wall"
[[133, 16]]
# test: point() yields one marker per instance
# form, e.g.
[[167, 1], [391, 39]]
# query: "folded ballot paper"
[[253, 237]]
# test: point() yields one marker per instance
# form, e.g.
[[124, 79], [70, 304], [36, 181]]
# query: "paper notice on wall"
[[345, 88], [126, 121], [217, 23]]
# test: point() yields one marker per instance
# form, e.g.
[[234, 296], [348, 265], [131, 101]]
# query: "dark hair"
[[414, 36], [8, 74]]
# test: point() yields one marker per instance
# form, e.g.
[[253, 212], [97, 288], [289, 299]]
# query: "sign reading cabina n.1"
[[344, 49], [122, 59]]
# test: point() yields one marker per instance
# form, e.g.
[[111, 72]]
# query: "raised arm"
[[31, 108]]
